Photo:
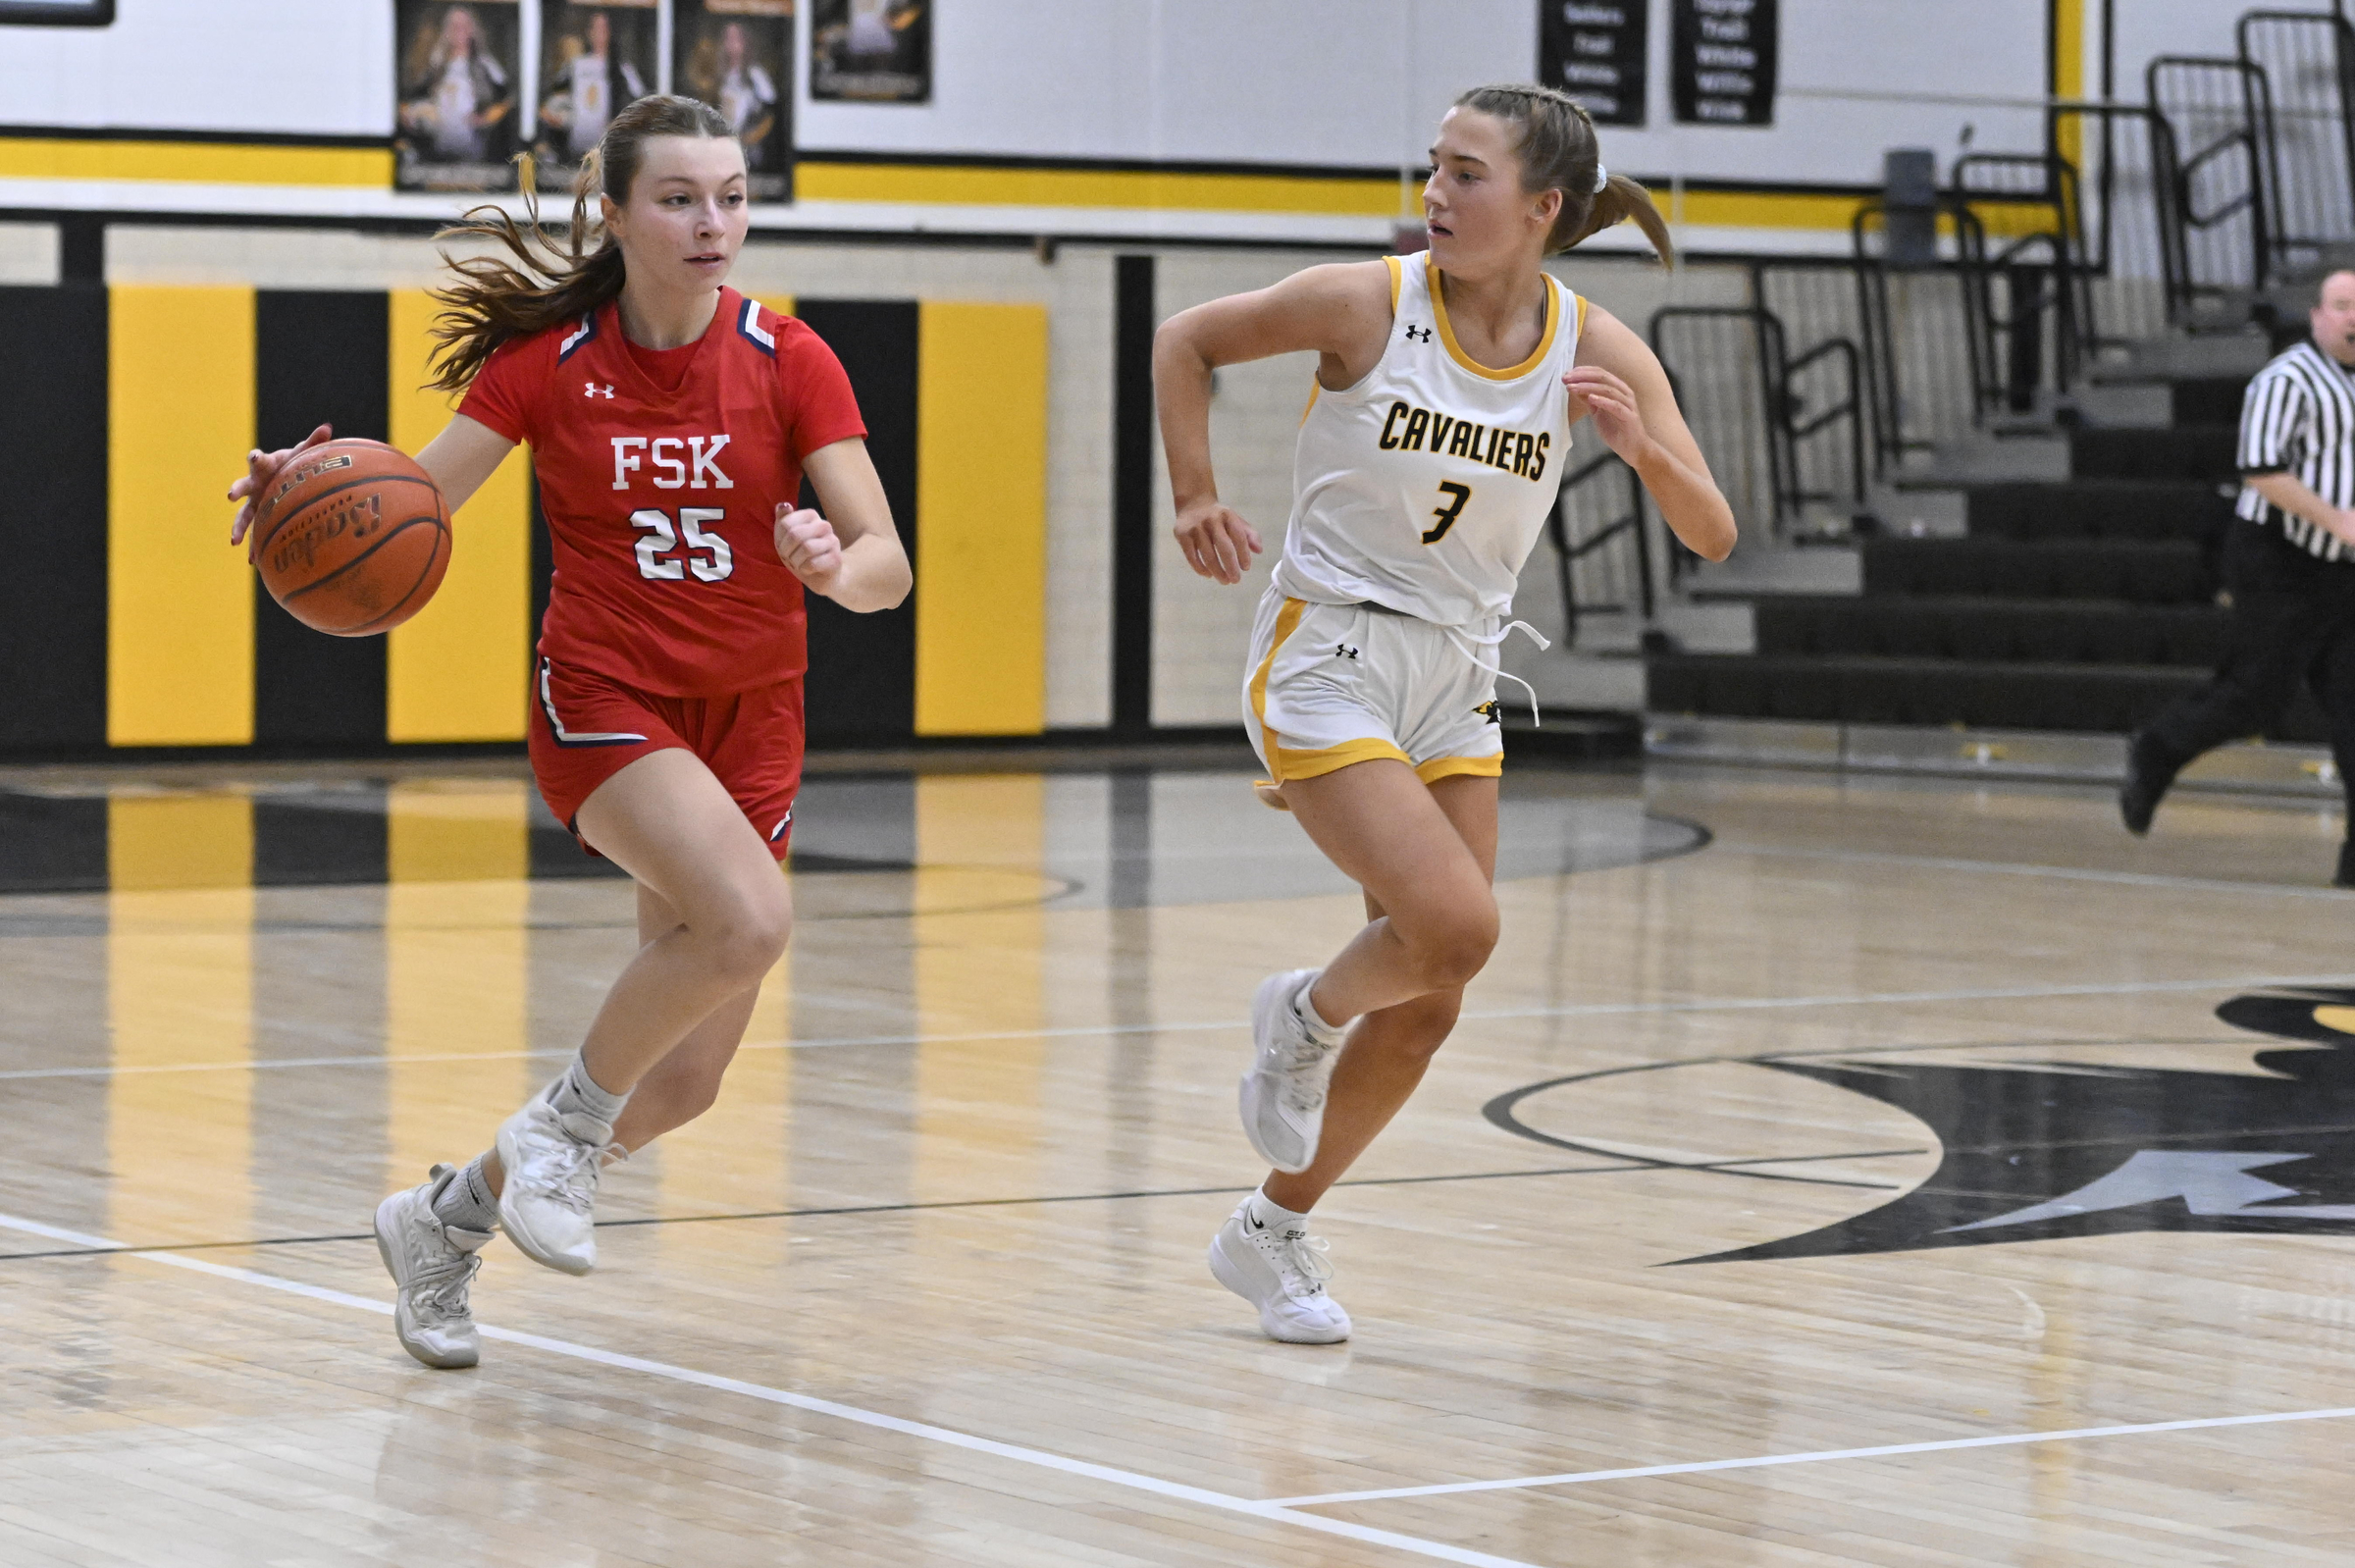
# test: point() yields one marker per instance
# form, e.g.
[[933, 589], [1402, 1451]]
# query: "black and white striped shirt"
[[2299, 419]]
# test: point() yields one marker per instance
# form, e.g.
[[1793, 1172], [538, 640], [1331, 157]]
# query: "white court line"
[[2007, 1440], [1274, 1512], [2064, 873], [1585, 1010]]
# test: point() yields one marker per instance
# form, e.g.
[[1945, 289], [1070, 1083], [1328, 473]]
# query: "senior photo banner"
[[456, 80], [737, 56], [596, 57], [875, 51]]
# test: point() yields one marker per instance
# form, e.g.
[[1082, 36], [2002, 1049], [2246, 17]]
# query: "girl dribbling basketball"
[[1430, 457], [671, 421]]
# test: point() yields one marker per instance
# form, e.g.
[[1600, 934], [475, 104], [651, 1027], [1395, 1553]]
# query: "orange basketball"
[[352, 538]]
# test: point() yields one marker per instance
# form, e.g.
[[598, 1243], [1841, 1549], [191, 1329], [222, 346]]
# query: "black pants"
[[2293, 619]]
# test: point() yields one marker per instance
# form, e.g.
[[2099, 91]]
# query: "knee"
[[746, 938], [1450, 951]]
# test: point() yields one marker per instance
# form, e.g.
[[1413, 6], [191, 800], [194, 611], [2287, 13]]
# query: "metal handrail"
[[1568, 552]]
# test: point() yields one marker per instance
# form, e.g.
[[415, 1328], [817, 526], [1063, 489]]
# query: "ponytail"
[[496, 301], [1559, 151]]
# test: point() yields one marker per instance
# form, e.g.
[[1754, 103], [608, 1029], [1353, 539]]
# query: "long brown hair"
[[496, 300], [1558, 151]]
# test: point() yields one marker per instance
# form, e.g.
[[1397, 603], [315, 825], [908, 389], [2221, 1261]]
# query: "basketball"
[[352, 538]]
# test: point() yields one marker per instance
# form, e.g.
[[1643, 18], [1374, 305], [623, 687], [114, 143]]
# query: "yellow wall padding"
[[179, 601], [459, 671], [981, 498]]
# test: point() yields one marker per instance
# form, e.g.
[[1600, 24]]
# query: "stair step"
[[2186, 451], [1995, 631], [2099, 508], [2112, 698], [2142, 571], [2209, 400]]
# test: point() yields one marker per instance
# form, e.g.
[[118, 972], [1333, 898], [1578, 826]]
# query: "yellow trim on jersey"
[[1440, 767], [1438, 310], [1289, 765], [1581, 317], [1397, 268], [1314, 387]]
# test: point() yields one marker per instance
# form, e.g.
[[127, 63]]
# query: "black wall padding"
[[53, 350], [1135, 316], [319, 358], [861, 684]]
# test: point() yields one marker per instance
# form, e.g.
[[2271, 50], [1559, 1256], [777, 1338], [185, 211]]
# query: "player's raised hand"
[[261, 468], [808, 546], [1612, 402], [1217, 543]]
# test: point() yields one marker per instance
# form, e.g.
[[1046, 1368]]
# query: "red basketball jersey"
[[661, 503]]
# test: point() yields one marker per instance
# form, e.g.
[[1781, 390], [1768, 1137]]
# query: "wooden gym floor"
[[2034, 1261]]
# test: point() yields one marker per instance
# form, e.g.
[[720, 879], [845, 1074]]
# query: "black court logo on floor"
[[2038, 1151]]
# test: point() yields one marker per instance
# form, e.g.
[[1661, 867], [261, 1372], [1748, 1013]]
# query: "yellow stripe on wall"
[[964, 186], [981, 492], [180, 600], [457, 672], [200, 161]]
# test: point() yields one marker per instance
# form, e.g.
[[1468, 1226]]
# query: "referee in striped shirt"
[[2290, 564]]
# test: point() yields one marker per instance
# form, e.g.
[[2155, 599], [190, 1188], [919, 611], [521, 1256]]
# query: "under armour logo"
[[1418, 334], [593, 390], [1344, 651]]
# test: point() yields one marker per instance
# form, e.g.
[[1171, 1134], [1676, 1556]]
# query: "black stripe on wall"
[[1134, 321], [862, 686], [53, 348], [319, 358]]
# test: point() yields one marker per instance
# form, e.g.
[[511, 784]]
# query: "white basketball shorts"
[[1330, 685]]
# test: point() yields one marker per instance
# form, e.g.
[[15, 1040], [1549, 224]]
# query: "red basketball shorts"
[[588, 727]]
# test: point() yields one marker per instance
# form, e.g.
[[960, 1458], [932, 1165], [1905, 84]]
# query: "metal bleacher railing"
[[2173, 216]]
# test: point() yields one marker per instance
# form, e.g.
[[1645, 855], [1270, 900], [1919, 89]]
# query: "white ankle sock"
[[1318, 1031], [576, 1090], [1266, 1211]]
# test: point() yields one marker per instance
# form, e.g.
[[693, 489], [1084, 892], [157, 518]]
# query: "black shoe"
[[2149, 772], [2346, 866]]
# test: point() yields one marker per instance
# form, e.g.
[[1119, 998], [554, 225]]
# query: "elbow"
[[1720, 545]]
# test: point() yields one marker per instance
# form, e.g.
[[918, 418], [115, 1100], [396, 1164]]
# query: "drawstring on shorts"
[[1469, 644]]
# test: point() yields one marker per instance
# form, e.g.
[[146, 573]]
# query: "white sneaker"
[[548, 1205], [1282, 1273], [431, 1264], [1282, 1096]]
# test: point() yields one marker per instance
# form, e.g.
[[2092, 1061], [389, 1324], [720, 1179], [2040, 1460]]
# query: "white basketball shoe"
[[548, 1205], [1282, 1096], [1282, 1271], [432, 1265]]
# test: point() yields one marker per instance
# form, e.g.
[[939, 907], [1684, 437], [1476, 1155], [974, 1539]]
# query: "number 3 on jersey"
[[1456, 496], [707, 554]]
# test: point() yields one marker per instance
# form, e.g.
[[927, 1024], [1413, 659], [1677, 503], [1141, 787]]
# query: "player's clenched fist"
[[807, 544]]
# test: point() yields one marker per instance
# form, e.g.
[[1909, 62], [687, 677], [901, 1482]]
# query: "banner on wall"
[[737, 56], [457, 70], [1594, 50], [596, 57], [1721, 61], [873, 51]]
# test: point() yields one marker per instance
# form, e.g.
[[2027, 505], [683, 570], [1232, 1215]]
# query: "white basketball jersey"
[[1424, 487]]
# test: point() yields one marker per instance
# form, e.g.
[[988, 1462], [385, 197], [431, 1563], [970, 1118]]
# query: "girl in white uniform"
[[1447, 383]]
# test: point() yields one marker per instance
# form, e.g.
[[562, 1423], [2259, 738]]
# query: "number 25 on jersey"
[[707, 554]]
